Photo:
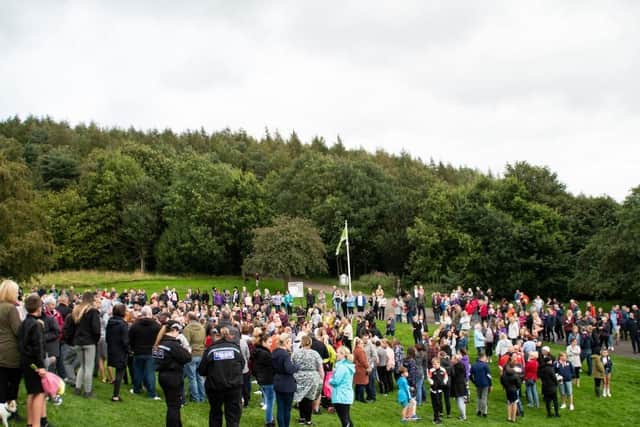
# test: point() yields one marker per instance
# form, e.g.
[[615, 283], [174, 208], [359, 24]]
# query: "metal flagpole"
[[348, 260]]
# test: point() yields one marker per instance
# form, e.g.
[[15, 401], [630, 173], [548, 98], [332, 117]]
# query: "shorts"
[[32, 381], [512, 396], [566, 388]]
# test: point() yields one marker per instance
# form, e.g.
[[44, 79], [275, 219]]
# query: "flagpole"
[[348, 259]]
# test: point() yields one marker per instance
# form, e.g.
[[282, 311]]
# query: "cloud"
[[473, 83]]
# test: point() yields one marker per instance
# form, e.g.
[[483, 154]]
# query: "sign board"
[[296, 289], [344, 280]]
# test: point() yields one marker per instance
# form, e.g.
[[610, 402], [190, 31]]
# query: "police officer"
[[170, 358], [222, 365]]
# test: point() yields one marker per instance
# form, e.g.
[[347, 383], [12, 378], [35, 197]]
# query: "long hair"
[[82, 308], [160, 335]]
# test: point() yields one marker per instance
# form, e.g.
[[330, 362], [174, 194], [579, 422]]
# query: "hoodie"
[[342, 382]]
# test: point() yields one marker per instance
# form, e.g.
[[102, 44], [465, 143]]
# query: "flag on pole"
[[343, 237]]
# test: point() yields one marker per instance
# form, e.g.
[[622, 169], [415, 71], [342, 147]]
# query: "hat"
[[546, 348], [172, 324]]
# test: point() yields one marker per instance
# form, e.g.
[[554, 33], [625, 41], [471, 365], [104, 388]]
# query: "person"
[[608, 367], [549, 386], [564, 369], [342, 385], [362, 368], [31, 346], [87, 334], [598, 373], [263, 371], [221, 365], [283, 382], [459, 385], [308, 379], [438, 380], [405, 399], [142, 335], [530, 379], [481, 378], [195, 334], [511, 380], [573, 355], [117, 338], [479, 339], [372, 360], [170, 357], [10, 372]]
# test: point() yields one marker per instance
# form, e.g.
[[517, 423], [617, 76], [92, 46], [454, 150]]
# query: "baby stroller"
[[325, 397]]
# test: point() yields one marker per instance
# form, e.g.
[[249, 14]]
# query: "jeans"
[[285, 401], [532, 394], [419, 390], [196, 383], [268, 396], [483, 396], [87, 356], [144, 373], [461, 406], [371, 387], [360, 390], [586, 354], [70, 362]]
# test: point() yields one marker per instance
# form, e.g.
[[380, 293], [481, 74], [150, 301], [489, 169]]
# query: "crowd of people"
[[322, 354]]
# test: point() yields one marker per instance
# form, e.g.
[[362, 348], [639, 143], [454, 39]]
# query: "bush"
[[369, 282]]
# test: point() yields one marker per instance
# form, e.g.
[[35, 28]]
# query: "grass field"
[[623, 409]]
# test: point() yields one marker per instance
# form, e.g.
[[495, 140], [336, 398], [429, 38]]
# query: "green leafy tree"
[[289, 247]]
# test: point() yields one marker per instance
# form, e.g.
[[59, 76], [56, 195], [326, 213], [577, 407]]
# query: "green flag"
[[343, 237]]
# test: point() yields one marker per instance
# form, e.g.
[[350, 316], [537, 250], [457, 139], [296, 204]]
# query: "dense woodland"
[[89, 197]]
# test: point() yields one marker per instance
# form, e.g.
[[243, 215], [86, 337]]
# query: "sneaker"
[[257, 392], [263, 406], [571, 407], [415, 417], [563, 406], [57, 401], [157, 398]]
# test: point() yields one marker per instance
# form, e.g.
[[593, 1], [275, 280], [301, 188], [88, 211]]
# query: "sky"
[[471, 83]]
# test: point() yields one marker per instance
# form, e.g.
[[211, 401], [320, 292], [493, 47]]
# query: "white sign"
[[344, 280], [296, 289]]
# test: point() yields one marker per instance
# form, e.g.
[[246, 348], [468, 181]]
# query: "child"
[[608, 366], [404, 397], [31, 345], [438, 379]]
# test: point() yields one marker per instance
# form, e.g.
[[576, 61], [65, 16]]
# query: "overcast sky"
[[476, 83]]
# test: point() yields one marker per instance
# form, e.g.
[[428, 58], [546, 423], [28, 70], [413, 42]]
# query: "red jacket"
[[531, 370]]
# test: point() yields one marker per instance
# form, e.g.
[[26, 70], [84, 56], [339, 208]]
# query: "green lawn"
[[623, 409]]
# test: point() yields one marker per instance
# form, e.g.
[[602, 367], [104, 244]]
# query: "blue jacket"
[[404, 392], [480, 374], [478, 338], [283, 370], [342, 382], [566, 371]]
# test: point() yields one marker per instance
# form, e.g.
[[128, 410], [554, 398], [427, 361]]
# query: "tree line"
[[76, 197]]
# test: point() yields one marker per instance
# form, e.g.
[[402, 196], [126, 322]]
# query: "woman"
[[511, 380], [573, 354], [341, 385], [283, 382], [308, 379], [263, 371], [459, 385], [530, 378], [170, 358], [117, 338], [362, 367], [87, 334], [10, 372]]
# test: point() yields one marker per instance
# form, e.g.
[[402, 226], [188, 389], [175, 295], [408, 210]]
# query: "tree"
[[289, 247], [25, 245]]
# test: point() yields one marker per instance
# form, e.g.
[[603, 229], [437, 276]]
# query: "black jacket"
[[283, 370], [222, 364], [117, 337], [142, 336], [88, 328], [31, 342], [549, 380], [262, 365], [459, 380], [51, 336], [170, 356]]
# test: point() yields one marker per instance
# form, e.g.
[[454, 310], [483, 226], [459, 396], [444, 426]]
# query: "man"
[[142, 336], [361, 302], [372, 360], [481, 378], [195, 334], [631, 325], [225, 322], [245, 344]]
